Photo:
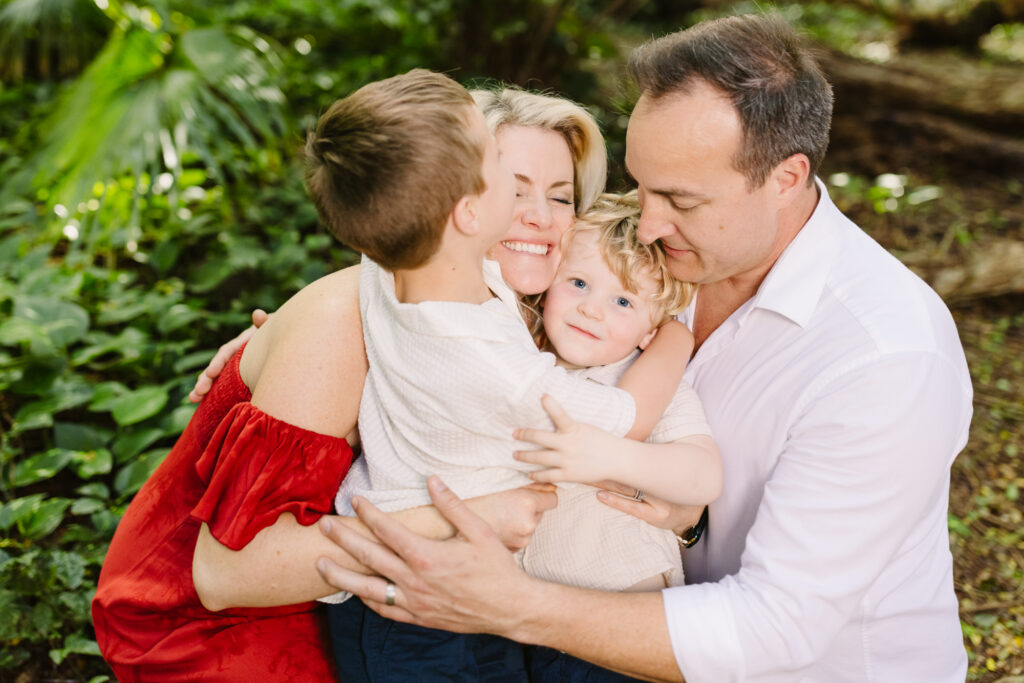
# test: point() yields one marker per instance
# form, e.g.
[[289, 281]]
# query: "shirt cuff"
[[703, 633]]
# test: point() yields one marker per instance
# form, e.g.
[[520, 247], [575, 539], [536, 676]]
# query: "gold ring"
[[389, 594]]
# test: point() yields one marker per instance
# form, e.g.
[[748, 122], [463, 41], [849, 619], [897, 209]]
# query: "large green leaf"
[[88, 464], [13, 511], [150, 98], [132, 476], [136, 406], [41, 466], [62, 322], [44, 518]]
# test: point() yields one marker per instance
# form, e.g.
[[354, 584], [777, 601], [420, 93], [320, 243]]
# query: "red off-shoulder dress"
[[237, 469]]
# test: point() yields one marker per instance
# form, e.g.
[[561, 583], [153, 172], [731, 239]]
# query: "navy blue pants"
[[371, 649]]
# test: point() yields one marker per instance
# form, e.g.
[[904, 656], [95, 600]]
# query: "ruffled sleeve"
[[256, 467]]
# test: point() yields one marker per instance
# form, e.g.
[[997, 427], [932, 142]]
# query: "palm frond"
[[148, 101]]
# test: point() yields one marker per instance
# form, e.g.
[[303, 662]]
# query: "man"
[[833, 380]]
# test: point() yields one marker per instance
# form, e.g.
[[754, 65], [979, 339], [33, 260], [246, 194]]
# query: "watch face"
[[693, 534]]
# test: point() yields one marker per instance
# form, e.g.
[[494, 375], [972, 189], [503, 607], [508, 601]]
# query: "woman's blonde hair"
[[615, 217], [514, 107]]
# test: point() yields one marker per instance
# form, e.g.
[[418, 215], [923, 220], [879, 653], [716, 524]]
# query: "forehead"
[[535, 152], [582, 248], [692, 135]]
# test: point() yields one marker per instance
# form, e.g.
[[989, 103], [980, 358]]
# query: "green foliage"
[[156, 198]]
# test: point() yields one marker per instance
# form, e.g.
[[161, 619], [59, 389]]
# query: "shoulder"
[[308, 360]]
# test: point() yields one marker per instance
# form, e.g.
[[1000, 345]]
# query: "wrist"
[[538, 613]]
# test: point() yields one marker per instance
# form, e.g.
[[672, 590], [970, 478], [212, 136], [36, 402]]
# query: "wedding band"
[[638, 495], [389, 594]]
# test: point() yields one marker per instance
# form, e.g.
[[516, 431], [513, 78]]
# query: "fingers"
[[202, 387], [638, 508], [547, 498], [558, 416], [377, 558], [540, 437], [553, 474], [616, 487], [468, 524], [393, 612], [259, 316], [545, 458]]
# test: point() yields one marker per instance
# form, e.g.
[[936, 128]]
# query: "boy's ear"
[[464, 215], [647, 339]]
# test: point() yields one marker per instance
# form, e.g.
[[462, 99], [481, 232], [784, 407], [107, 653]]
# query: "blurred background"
[[151, 196]]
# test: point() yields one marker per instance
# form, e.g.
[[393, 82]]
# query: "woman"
[[556, 152], [226, 519]]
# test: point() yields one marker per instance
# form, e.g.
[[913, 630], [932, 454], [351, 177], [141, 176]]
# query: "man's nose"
[[653, 226]]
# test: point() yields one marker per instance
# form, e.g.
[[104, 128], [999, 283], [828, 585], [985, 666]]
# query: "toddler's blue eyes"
[[578, 283], [622, 301]]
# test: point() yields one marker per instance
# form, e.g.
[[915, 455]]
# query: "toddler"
[[609, 297]]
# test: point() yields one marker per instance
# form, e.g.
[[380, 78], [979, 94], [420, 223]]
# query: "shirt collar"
[[450, 318], [794, 285]]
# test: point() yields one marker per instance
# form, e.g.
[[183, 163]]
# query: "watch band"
[[689, 538]]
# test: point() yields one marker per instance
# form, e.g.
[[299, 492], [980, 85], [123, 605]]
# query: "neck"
[[443, 279]]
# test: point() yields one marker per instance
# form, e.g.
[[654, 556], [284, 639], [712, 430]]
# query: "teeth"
[[527, 247]]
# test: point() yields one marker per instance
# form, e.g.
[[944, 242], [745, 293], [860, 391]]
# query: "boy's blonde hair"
[[615, 218], [509, 106], [387, 165]]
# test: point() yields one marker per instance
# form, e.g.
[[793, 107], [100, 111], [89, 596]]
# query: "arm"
[[463, 585], [652, 379], [278, 566], [687, 471], [205, 380]]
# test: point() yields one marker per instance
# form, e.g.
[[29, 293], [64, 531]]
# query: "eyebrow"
[[526, 179], [670, 192]]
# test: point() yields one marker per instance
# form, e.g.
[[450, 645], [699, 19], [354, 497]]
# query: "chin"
[[526, 277]]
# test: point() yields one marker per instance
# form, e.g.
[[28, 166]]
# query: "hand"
[[575, 452], [223, 355], [654, 511], [462, 584], [514, 514]]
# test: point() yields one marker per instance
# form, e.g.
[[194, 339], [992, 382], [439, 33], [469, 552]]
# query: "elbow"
[[205, 579]]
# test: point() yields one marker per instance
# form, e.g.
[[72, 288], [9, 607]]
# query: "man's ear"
[[464, 215], [647, 339], [790, 177]]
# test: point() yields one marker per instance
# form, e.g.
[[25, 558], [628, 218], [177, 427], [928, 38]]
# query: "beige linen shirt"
[[583, 542]]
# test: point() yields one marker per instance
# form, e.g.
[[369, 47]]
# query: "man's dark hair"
[[763, 67]]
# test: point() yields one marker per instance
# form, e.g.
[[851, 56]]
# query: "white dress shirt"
[[839, 396], [583, 542]]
